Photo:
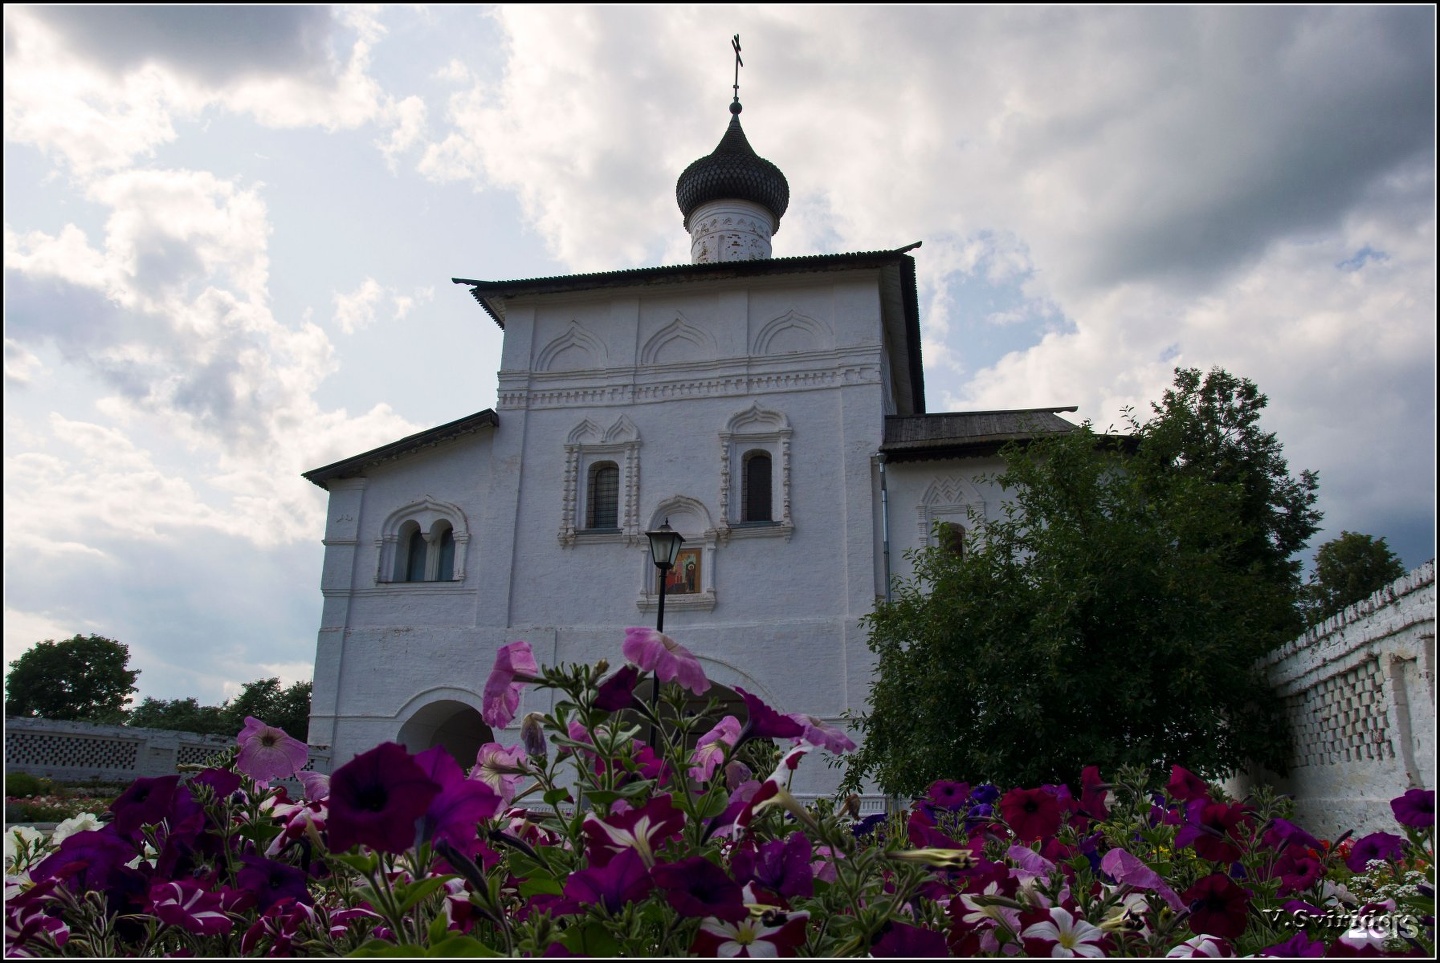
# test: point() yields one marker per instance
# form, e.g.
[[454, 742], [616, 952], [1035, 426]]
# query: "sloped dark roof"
[[953, 434], [410, 444], [492, 295], [733, 171]]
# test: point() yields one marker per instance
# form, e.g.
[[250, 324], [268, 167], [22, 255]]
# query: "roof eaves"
[[429, 438]]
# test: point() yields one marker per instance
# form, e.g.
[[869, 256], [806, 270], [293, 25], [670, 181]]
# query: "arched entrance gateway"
[[446, 722]]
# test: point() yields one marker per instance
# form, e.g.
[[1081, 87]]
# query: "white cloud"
[[357, 310]]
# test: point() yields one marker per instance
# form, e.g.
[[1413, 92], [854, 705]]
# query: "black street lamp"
[[665, 545]]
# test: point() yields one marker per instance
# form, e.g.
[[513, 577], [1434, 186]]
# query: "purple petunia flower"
[[461, 804], [376, 798], [266, 752], [1415, 809], [697, 887], [903, 941], [618, 692], [1298, 871], [780, 866], [1128, 869], [145, 802], [270, 882], [668, 659], [1282, 834], [1382, 847], [501, 698], [949, 795], [624, 879], [1211, 828]]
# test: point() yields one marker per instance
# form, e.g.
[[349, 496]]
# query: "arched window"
[[415, 557], [445, 570], [755, 489], [951, 537], [602, 501]]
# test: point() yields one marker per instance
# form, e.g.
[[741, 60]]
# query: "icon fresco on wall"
[[684, 577]]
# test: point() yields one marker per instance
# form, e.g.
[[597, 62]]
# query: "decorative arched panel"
[[678, 341], [575, 350], [792, 333], [434, 520]]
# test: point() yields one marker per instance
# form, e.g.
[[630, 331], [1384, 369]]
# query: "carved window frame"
[[586, 447], [431, 519], [750, 430]]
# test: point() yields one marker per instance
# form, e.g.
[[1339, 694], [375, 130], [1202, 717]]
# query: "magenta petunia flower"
[[145, 802], [1031, 813], [643, 830], [1282, 834], [185, 904], [765, 722], [710, 750], [376, 798], [1212, 829], [1130, 870], [1185, 786], [1057, 931], [1415, 809], [697, 887], [271, 882], [1218, 907], [1377, 847], [781, 867], [1296, 946], [1093, 791], [268, 753], [1201, 947], [773, 933], [668, 659], [501, 699], [1298, 871]]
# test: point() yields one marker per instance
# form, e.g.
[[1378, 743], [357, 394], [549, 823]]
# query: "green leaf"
[[541, 885], [412, 893], [590, 939], [365, 863]]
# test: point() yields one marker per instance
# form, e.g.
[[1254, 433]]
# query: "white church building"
[[772, 410]]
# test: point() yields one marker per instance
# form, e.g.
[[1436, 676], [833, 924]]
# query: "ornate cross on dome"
[[738, 64]]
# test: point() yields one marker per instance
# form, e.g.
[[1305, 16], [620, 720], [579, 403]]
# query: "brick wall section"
[[1359, 690]]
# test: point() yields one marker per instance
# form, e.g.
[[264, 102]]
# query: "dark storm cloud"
[[213, 43], [1298, 115]]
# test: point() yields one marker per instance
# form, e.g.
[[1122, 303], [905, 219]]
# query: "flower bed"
[[622, 827]]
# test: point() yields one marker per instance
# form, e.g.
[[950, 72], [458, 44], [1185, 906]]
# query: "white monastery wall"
[[1359, 690], [658, 383], [921, 493]]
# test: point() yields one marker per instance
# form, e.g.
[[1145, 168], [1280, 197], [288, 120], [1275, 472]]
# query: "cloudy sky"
[[229, 234]]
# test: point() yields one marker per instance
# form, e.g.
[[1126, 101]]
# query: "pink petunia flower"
[[1032, 813], [710, 750], [500, 768], [822, 735], [1201, 946], [1129, 870], [268, 753], [501, 699], [668, 659], [775, 791]]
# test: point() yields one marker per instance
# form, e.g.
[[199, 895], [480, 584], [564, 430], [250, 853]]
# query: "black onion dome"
[[733, 172]]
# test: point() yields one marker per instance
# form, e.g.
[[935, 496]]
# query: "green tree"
[[1348, 569], [1113, 615], [285, 708], [80, 678], [180, 715]]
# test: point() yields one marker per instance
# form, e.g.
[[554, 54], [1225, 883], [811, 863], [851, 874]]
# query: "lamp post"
[[665, 545]]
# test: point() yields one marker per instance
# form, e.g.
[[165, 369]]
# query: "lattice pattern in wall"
[[69, 752], [196, 755], [1342, 719]]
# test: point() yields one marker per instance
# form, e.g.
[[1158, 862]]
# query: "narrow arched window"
[[602, 502], [415, 557], [446, 570], [755, 490], [952, 538]]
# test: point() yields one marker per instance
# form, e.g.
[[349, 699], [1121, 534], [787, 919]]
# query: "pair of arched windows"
[[757, 500], [426, 557]]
